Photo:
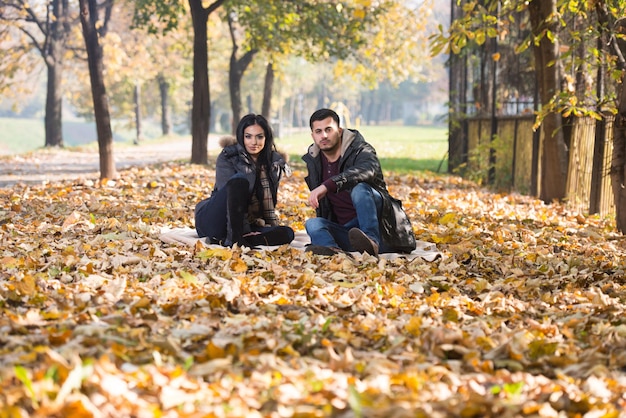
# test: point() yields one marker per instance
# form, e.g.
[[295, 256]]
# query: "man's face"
[[327, 135]]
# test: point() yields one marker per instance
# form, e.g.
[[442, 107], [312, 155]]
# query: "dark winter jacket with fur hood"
[[235, 159]]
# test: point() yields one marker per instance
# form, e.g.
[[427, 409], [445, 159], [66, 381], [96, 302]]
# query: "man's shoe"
[[362, 243], [322, 250]]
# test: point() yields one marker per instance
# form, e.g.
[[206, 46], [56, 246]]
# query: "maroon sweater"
[[340, 202]]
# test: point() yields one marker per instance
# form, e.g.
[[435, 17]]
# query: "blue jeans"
[[368, 204]]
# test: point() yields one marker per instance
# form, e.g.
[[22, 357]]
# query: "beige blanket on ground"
[[188, 236]]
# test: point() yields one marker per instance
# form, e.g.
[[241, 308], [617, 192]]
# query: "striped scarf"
[[268, 214]]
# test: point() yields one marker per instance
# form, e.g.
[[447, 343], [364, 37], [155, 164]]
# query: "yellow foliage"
[[414, 325], [525, 303]]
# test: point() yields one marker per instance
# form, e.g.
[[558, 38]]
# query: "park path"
[[62, 164]]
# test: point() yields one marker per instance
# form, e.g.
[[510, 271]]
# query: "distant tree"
[[46, 26], [166, 118], [140, 83], [393, 47], [268, 86], [92, 30], [130, 67], [201, 101], [168, 15], [278, 29], [236, 70]]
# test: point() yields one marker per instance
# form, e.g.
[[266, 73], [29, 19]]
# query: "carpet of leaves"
[[522, 317]]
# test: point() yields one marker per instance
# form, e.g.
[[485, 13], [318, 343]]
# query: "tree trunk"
[[166, 117], [235, 73], [201, 101], [554, 159], [457, 111], [321, 97], [53, 120], [138, 126], [89, 19], [618, 161], [598, 171], [53, 56], [213, 121], [292, 112], [266, 108], [367, 106], [249, 103]]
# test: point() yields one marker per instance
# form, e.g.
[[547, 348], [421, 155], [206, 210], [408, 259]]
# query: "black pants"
[[212, 219]]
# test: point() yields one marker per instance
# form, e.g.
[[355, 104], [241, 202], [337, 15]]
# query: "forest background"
[[387, 89]]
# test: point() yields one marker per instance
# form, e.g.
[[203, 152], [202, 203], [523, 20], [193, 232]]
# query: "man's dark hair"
[[322, 114]]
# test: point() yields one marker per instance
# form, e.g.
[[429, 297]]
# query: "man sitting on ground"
[[348, 192]]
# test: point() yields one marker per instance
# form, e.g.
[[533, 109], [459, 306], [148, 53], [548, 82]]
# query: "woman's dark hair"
[[322, 114], [265, 157]]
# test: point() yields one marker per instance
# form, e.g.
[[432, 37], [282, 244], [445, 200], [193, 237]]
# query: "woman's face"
[[254, 140]]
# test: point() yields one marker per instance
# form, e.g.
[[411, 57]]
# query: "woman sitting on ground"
[[240, 209]]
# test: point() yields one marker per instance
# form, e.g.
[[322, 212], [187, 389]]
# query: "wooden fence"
[[509, 160], [588, 178], [510, 165]]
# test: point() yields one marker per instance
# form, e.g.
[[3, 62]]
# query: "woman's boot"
[[276, 235], [236, 210]]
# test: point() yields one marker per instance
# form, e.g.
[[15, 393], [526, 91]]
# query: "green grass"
[[20, 135], [400, 148]]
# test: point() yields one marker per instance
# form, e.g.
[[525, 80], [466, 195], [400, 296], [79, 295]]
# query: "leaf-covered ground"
[[522, 317]]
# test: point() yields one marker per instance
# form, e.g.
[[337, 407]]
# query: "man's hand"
[[316, 194]]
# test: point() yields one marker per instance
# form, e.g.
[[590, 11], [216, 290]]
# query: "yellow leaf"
[[48, 315], [213, 351], [282, 301], [448, 218], [223, 253], [289, 350], [539, 348], [9, 262], [442, 239], [345, 284], [238, 266], [414, 325], [450, 314], [26, 286], [142, 303], [485, 343], [28, 357]]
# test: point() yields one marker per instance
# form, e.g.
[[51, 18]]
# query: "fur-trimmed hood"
[[227, 140]]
